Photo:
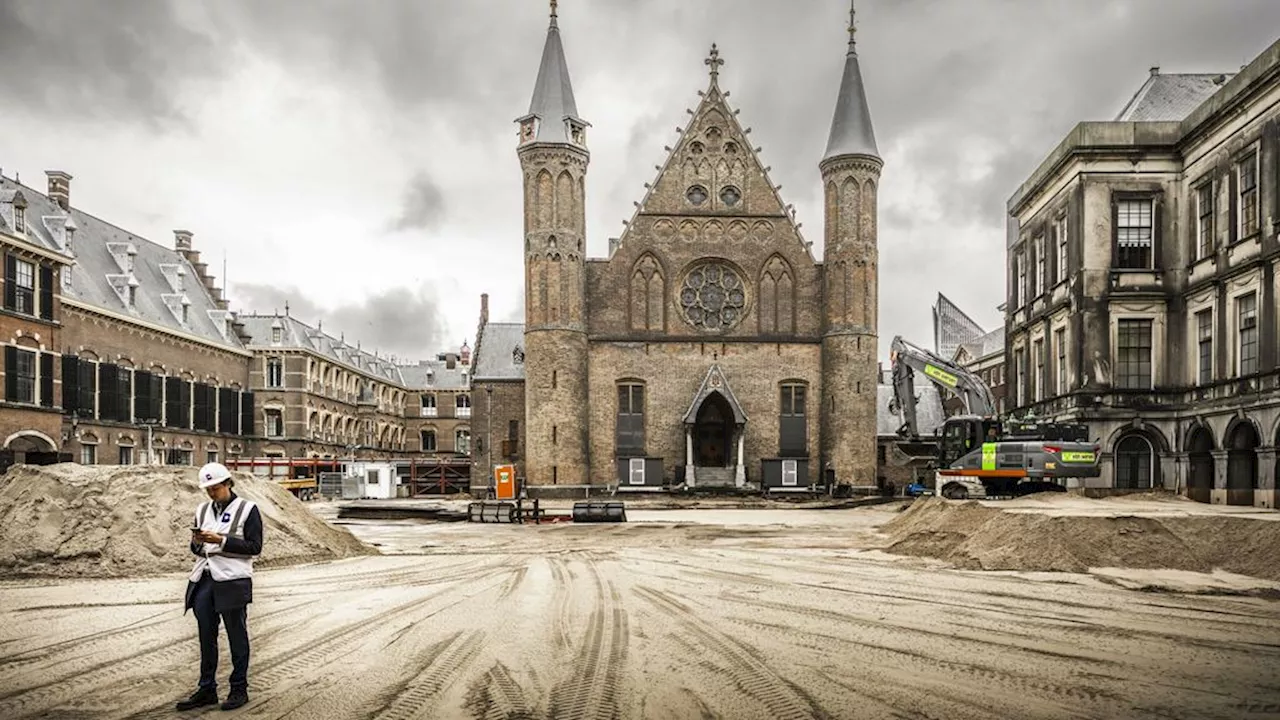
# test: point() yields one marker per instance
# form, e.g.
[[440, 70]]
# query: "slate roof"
[[100, 275], [988, 344], [496, 356], [552, 99], [436, 375], [1171, 97], [296, 334], [851, 129]]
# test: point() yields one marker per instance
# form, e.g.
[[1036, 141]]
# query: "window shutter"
[[184, 399], [107, 391], [10, 372], [10, 282], [172, 402], [70, 384], [1115, 232], [142, 394], [46, 379], [87, 388], [246, 414], [46, 292], [1157, 231]]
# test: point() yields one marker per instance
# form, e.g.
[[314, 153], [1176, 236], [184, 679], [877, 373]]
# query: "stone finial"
[[714, 62]]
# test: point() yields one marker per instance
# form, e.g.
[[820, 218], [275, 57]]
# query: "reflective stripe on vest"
[[220, 564]]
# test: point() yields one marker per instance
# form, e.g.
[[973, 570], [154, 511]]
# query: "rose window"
[[697, 194], [712, 297], [730, 196]]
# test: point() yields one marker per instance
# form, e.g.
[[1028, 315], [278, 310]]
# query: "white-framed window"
[[462, 405], [20, 375], [1135, 233], [1060, 237], [274, 422], [22, 276], [462, 441], [428, 440], [275, 372], [1020, 268], [1060, 341], [1247, 327], [126, 455], [1038, 378], [1020, 369], [1204, 346], [1041, 264], [1247, 201], [1204, 220], [1134, 347]]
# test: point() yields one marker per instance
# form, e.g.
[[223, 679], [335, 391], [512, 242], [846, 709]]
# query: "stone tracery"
[[713, 296]]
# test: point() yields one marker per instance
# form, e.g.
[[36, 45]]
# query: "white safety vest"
[[230, 523]]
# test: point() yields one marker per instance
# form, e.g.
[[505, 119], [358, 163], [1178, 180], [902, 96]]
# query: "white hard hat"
[[213, 474]]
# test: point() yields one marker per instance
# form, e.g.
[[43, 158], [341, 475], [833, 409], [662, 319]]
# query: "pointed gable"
[[714, 172], [553, 112], [714, 382]]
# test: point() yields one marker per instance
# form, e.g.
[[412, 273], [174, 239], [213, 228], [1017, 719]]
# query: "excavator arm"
[[907, 359]]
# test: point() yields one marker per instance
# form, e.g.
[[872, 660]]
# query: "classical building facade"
[[709, 347], [119, 350], [144, 362], [1144, 271]]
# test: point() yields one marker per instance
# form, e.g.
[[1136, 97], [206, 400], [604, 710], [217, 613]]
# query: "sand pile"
[[975, 536], [106, 521]]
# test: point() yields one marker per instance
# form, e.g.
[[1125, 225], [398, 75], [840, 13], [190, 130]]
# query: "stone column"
[[1181, 474], [740, 474], [688, 456], [1266, 495], [1218, 495], [1168, 471]]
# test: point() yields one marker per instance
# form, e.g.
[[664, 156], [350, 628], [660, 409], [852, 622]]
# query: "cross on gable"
[[715, 62]]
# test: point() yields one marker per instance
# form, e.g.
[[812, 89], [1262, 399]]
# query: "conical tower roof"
[[552, 101], [851, 130]]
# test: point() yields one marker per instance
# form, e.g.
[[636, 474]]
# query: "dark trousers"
[[236, 621]]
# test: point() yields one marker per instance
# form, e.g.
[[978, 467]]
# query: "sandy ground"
[[718, 613]]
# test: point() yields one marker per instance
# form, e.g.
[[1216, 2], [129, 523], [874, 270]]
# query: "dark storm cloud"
[[400, 321], [423, 207], [123, 59]]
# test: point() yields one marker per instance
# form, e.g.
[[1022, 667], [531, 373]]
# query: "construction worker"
[[225, 537]]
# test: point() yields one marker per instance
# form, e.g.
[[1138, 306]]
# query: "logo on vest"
[[226, 517]]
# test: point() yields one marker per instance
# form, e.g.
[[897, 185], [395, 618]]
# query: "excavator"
[[979, 453]]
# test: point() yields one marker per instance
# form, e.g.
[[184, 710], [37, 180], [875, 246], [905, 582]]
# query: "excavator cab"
[[961, 434]]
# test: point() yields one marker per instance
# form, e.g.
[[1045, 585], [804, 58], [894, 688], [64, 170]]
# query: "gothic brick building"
[[710, 347]]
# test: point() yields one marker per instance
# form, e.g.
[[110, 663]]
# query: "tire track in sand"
[[433, 672], [782, 697], [497, 696], [591, 690]]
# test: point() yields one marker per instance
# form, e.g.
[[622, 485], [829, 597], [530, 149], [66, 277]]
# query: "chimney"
[[182, 240], [484, 308], [450, 361], [59, 188], [1155, 70]]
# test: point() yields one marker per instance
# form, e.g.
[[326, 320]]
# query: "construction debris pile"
[[71, 520], [975, 536]]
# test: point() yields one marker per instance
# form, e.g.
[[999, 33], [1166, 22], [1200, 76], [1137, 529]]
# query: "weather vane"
[[715, 62]]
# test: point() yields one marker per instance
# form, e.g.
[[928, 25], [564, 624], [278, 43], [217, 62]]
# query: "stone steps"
[[714, 477]]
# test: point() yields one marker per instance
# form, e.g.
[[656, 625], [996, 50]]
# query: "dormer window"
[[20, 219], [186, 313], [133, 295], [277, 335], [517, 355]]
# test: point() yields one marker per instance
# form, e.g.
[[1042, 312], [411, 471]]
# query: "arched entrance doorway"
[[28, 447], [1242, 464], [1200, 455], [1135, 462], [713, 433]]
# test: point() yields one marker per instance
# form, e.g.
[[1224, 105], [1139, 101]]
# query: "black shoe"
[[235, 699], [203, 696]]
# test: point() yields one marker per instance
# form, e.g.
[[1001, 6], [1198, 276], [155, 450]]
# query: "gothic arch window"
[[849, 208], [832, 211], [545, 200], [648, 288], [564, 201], [712, 296], [777, 297], [867, 220]]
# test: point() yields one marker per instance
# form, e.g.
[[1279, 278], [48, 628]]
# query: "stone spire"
[[553, 114], [851, 131]]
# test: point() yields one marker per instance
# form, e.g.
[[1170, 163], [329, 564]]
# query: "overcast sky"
[[358, 157]]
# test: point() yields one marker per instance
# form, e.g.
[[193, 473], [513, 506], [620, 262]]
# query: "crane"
[[980, 454]]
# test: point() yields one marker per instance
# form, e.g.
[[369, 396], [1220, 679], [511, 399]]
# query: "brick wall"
[[499, 402]]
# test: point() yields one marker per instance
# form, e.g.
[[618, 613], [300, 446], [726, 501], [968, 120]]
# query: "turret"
[[850, 176], [553, 156]]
